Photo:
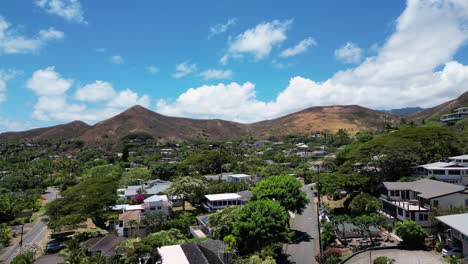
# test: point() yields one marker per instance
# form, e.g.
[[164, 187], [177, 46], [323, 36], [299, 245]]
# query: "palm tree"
[[131, 225], [73, 254], [153, 221]]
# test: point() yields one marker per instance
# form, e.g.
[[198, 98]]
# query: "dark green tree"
[[365, 203], [259, 224], [284, 189], [413, 235]]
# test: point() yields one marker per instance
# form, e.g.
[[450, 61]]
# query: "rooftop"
[[426, 187], [457, 221], [460, 157], [222, 196]]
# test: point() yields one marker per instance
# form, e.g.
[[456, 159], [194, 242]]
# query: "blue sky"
[[62, 60]]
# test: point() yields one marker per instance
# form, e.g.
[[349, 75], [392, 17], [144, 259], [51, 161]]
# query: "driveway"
[[37, 234], [400, 256], [302, 249]]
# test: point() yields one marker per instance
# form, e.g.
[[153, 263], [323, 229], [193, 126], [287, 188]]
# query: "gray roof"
[[206, 252], [457, 221], [245, 195], [426, 187]]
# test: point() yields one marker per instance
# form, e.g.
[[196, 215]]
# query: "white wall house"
[[458, 114], [458, 225], [455, 170], [223, 200], [415, 200]]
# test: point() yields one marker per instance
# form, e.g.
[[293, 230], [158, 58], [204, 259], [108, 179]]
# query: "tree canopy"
[[364, 203], [413, 235], [260, 223], [188, 188], [284, 189], [87, 199]]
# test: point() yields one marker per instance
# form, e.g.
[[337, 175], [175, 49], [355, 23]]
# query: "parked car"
[[54, 247], [452, 252]]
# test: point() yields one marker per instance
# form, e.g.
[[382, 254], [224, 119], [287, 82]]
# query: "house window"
[[394, 193], [423, 217], [159, 207], [435, 203], [400, 211], [466, 202]]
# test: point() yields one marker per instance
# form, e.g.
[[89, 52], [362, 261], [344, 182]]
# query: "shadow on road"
[[300, 236]]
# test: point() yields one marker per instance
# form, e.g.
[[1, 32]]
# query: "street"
[[302, 249], [37, 234]]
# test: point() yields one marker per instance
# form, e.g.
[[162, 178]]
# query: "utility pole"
[[318, 214], [21, 241]]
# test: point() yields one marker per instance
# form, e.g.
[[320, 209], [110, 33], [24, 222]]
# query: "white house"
[[150, 188], [223, 200], [415, 200], [459, 114], [455, 170], [458, 224]]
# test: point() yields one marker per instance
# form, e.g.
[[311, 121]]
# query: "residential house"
[[230, 177], [455, 170], [149, 189], [206, 252], [458, 114], [415, 200], [104, 245], [223, 200], [458, 224]]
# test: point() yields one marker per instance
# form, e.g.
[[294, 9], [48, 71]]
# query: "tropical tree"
[[413, 235], [222, 221], [188, 189], [260, 223], [88, 199], [132, 225], [284, 189], [165, 238], [73, 253], [153, 221], [366, 222], [364, 203]]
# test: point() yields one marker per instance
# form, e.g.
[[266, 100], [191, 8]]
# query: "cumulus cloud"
[[12, 125], [95, 92], [5, 76], [216, 74], [349, 53], [258, 41], [222, 27], [116, 59], [184, 69], [12, 42], [152, 69], [70, 10], [406, 71], [54, 103], [301, 47]]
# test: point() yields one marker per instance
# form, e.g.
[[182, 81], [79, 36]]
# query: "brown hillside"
[[324, 118], [163, 128], [437, 111], [60, 132]]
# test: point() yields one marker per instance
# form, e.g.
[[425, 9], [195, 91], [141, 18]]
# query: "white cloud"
[[127, 98], [258, 41], [11, 42], [216, 74], [349, 53], [116, 59], [51, 34], [5, 76], [54, 104], [404, 72], [184, 69], [301, 47], [70, 10], [11, 125], [48, 82], [152, 69], [221, 28], [95, 92]]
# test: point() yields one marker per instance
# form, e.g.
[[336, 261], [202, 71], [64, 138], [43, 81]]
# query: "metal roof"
[[426, 187], [457, 221], [222, 196]]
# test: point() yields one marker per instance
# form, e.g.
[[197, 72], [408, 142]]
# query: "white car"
[[452, 252]]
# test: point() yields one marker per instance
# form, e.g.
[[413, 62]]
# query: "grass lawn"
[[334, 204], [188, 207]]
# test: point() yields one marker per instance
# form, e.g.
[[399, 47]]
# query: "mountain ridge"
[[140, 120]]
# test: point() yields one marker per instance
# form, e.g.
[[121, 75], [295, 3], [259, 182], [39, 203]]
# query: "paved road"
[[38, 231], [400, 256], [302, 249]]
